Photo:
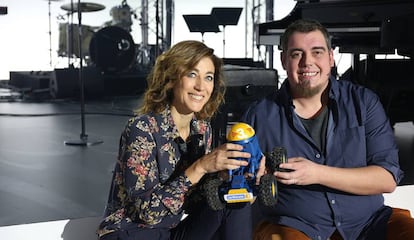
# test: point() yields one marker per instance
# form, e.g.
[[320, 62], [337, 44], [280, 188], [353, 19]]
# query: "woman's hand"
[[262, 170], [224, 158], [221, 158]]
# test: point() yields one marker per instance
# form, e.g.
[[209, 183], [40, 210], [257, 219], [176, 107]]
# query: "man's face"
[[307, 61]]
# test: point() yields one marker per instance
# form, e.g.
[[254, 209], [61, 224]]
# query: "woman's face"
[[194, 89]]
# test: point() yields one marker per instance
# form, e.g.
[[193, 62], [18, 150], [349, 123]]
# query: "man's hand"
[[364, 180], [303, 172]]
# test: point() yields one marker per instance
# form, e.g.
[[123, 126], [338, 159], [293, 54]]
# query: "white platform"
[[402, 197], [84, 228], [74, 229]]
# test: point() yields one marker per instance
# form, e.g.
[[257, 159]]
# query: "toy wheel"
[[277, 156], [212, 192], [268, 190]]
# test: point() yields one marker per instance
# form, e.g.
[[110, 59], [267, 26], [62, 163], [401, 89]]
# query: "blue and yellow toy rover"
[[239, 185]]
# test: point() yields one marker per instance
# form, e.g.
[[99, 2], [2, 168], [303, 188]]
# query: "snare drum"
[[112, 49]]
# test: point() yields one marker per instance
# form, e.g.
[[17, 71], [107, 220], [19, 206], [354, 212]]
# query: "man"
[[341, 150]]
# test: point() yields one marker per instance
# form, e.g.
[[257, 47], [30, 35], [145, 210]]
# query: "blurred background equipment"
[[82, 7], [201, 23], [226, 17], [112, 49], [84, 139], [122, 16], [74, 38], [69, 44], [49, 2], [244, 85], [3, 10]]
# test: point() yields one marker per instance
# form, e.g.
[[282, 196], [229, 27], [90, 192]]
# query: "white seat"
[[402, 197], [69, 229], [85, 228]]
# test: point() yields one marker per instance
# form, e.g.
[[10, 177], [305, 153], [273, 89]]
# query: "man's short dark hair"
[[304, 26]]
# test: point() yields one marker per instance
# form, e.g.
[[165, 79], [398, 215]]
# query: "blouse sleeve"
[[149, 201]]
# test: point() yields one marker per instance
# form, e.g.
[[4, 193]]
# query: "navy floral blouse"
[[147, 190]]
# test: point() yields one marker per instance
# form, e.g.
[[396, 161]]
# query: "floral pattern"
[[144, 193]]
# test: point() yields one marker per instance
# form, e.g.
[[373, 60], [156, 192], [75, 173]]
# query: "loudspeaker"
[[64, 83], [243, 87], [133, 82], [31, 80]]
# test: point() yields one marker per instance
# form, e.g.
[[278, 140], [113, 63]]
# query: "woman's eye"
[[210, 78], [191, 74]]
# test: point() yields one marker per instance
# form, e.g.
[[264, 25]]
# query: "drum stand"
[[83, 141], [50, 34]]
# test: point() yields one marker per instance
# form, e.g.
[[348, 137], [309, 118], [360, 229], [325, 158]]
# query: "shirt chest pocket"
[[349, 148]]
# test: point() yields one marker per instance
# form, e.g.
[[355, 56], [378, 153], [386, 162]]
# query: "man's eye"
[[318, 53], [296, 55]]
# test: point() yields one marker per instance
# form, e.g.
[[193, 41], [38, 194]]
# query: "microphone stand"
[[50, 35], [83, 141]]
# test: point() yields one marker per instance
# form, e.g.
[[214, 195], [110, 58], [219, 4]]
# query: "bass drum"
[[112, 49]]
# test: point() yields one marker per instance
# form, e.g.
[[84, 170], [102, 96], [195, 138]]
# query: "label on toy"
[[238, 195]]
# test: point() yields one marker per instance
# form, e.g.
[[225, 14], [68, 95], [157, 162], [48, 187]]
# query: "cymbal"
[[84, 7]]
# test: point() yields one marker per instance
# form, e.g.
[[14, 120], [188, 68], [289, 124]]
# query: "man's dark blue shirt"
[[358, 134]]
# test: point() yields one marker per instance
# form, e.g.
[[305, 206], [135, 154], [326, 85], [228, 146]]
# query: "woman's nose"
[[198, 83]]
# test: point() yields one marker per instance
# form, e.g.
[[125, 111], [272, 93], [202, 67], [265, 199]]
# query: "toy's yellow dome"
[[240, 131]]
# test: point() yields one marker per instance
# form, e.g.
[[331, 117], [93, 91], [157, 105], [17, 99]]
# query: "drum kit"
[[110, 47]]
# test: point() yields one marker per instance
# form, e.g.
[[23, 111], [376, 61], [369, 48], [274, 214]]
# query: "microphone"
[[124, 45]]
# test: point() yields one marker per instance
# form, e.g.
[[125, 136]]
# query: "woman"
[[165, 150]]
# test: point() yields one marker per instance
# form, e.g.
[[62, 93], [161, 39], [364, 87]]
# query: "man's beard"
[[303, 89]]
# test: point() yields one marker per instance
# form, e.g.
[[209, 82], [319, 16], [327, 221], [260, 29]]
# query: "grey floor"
[[43, 179]]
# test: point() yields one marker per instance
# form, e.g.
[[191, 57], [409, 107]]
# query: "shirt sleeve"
[[149, 200], [382, 149]]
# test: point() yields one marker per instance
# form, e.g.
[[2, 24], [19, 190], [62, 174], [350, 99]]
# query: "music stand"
[[225, 17], [201, 23]]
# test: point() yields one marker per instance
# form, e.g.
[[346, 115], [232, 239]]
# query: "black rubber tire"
[[212, 193], [277, 156], [268, 190]]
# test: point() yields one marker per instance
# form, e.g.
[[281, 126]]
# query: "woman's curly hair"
[[170, 67]]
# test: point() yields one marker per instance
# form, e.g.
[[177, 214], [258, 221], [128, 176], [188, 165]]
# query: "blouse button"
[[318, 155]]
